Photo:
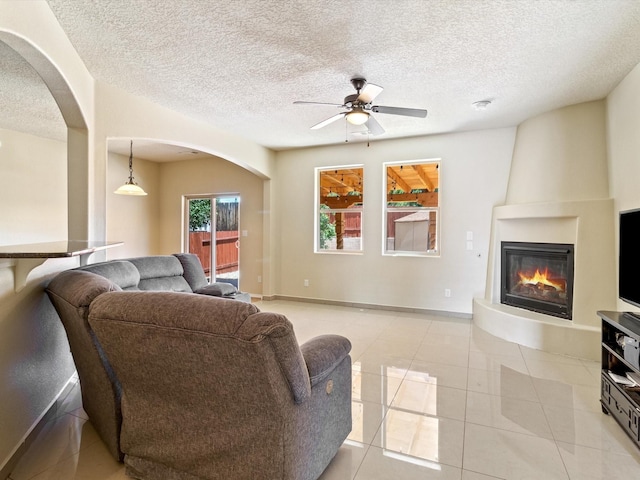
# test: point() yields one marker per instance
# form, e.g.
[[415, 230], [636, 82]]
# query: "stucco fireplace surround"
[[588, 225], [557, 192]]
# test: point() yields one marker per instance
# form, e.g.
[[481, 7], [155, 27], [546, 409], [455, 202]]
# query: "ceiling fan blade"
[[373, 126], [408, 112], [369, 92], [317, 103], [329, 120]]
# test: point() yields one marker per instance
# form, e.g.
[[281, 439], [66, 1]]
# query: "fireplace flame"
[[541, 278]]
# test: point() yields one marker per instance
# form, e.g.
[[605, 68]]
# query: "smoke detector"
[[481, 104]]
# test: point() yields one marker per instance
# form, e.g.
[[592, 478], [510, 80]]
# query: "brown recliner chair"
[[216, 389]]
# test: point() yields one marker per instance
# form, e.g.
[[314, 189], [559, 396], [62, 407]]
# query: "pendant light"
[[130, 187]]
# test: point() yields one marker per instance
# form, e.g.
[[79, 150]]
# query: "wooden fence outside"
[[351, 220], [226, 250], [353, 226]]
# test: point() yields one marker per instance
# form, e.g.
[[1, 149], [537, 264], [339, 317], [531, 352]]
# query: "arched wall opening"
[[170, 172], [78, 166]]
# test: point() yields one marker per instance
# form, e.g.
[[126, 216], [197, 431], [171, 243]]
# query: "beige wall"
[[214, 176], [561, 156], [121, 115], [34, 353], [33, 189], [623, 127], [473, 179]]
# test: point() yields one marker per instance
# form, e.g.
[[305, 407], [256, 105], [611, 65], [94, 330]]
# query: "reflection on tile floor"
[[433, 398]]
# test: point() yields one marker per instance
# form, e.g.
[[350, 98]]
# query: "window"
[[412, 209], [339, 209]]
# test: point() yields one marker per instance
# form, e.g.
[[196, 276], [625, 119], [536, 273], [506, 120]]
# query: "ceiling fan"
[[358, 108]]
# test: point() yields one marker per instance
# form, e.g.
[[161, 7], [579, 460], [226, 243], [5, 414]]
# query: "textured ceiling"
[[240, 64], [25, 102]]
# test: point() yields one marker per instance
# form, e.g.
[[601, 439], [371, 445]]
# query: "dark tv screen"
[[629, 257]]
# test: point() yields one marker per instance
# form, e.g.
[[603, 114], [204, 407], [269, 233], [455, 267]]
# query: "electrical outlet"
[[259, 278], [447, 292], [306, 282]]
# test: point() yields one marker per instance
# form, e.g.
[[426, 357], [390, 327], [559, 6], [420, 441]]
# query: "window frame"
[[213, 257], [317, 213], [436, 252]]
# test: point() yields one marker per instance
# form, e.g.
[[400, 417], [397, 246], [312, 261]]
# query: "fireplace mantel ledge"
[[537, 331]]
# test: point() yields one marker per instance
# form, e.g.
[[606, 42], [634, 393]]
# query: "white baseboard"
[[372, 306]]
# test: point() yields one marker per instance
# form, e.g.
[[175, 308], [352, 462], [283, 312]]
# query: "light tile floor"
[[433, 398]]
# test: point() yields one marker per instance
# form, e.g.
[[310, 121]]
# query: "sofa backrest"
[[193, 270], [160, 272], [153, 272], [191, 365], [121, 272], [71, 293]]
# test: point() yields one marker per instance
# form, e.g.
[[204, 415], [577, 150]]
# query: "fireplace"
[[538, 277]]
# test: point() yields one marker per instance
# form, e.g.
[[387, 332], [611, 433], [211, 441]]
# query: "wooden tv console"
[[620, 359]]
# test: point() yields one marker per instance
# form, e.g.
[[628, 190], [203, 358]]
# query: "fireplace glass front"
[[538, 277]]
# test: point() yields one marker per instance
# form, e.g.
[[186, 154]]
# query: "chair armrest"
[[322, 354]]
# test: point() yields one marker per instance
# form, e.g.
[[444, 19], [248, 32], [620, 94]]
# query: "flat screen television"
[[629, 258]]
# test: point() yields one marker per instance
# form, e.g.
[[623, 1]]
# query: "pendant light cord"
[[131, 163]]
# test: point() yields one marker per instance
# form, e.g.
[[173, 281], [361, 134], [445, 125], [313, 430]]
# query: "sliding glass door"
[[212, 233]]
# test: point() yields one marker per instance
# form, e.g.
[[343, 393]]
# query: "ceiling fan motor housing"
[[358, 83], [351, 100]]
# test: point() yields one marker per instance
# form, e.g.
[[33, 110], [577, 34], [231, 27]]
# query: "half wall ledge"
[[29, 256], [537, 331]]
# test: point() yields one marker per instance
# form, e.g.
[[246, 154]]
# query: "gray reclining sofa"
[[180, 272], [184, 386]]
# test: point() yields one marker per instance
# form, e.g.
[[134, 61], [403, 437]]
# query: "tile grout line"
[[466, 401]]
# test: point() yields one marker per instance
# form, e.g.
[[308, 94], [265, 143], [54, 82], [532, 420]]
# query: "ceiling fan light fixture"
[[357, 117]]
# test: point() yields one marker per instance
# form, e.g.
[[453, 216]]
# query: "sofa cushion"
[[160, 272], [193, 271], [121, 272], [218, 289]]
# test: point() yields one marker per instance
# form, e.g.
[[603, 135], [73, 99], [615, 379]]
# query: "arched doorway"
[[81, 224]]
